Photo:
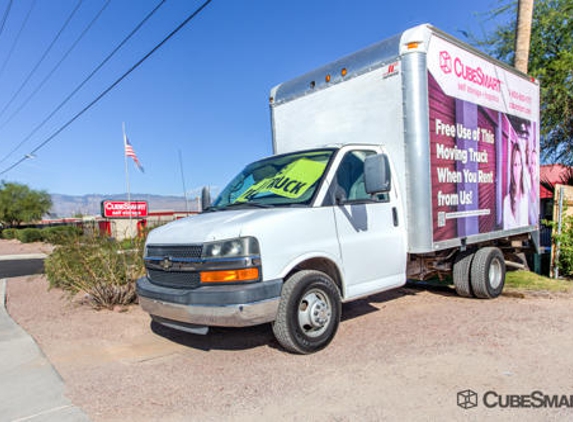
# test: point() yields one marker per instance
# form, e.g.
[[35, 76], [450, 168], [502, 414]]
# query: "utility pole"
[[523, 34]]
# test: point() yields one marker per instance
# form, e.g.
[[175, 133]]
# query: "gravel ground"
[[403, 355], [15, 247]]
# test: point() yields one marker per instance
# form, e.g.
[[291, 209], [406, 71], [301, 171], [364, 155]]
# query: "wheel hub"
[[495, 274], [314, 313], [319, 313]]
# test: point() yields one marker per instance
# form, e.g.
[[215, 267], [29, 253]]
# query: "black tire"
[[488, 273], [462, 273], [309, 312]]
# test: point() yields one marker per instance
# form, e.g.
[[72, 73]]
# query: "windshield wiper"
[[249, 204], [210, 209], [239, 205]]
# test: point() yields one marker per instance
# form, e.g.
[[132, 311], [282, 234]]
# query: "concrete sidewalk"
[[30, 387]]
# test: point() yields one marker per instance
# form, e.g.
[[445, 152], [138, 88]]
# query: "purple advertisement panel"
[[484, 145]]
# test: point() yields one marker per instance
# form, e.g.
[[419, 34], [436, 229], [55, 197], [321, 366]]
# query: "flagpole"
[[127, 176], [183, 181]]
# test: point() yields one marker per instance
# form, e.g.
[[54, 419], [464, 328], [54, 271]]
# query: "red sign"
[[124, 209]]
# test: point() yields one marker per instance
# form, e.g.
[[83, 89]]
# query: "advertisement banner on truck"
[[484, 144]]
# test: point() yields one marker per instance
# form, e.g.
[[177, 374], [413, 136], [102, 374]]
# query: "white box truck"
[[413, 158]]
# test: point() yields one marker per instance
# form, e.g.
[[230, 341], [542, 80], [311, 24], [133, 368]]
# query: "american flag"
[[130, 152]]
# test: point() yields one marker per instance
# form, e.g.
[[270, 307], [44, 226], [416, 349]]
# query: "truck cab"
[[306, 214]]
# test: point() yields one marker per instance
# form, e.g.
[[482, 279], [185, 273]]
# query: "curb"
[[3, 297], [23, 257]]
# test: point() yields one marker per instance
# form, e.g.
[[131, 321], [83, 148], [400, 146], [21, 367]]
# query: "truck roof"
[[375, 56], [355, 64]]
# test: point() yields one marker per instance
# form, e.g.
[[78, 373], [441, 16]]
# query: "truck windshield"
[[281, 180]]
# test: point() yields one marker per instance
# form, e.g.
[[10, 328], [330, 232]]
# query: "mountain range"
[[90, 205]]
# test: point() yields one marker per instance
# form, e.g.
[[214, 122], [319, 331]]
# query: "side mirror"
[[377, 176], [205, 198]]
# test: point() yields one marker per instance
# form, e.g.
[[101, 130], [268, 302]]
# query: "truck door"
[[370, 231]]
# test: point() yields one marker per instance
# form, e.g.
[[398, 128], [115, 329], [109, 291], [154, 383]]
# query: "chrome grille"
[[184, 251], [174, 279]]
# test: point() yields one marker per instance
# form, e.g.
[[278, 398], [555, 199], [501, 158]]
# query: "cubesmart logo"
[[467, 399], [445, 62]]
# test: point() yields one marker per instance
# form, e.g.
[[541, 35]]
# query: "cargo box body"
[[453, 121]]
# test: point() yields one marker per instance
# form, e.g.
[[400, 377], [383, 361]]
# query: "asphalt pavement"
[[19, 265], [30, 387]]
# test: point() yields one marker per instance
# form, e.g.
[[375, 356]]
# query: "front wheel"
[[309, 312]]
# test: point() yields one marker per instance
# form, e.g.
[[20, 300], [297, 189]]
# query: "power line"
[[80, 86], [112, 86], [49, 75], [42, 58], [5, 17], [17, 37]]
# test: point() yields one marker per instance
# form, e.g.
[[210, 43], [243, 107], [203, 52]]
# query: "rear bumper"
[[222, 306]]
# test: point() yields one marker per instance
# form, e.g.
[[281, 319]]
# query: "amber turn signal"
[[230, 276]]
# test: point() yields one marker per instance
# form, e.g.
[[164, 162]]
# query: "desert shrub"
[[99, 267], [59, 235], [9, 233], [29, 235]]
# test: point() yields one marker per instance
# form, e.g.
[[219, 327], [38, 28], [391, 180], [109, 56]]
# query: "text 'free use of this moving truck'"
[[414, 158]]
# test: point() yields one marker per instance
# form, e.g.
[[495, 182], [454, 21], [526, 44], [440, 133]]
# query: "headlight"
[[242, 246], [242, 270]]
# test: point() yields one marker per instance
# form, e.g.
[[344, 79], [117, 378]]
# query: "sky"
[[196, 111]]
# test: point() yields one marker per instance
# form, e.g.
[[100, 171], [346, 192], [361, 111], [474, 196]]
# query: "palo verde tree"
[[550, 61], [20, 204]]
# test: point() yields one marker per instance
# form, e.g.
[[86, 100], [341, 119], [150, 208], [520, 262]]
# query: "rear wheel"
[[309, 312], [488, 273], [462, 273]]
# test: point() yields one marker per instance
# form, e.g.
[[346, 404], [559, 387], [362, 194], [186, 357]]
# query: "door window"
[[348, 185]]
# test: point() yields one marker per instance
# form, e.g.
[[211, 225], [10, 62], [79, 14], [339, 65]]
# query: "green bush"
[[59, 235], [565, 242], [9, 233], [99, 267], [29, 235]]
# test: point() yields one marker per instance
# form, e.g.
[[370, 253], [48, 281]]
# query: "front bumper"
[[223, 306]]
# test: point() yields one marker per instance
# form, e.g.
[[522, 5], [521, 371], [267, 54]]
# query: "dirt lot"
[[15, 247], [398, 355]]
